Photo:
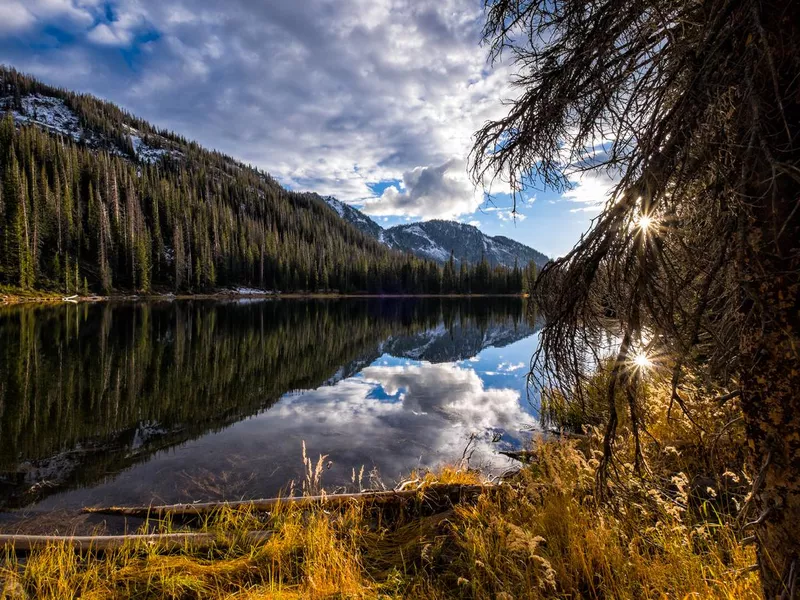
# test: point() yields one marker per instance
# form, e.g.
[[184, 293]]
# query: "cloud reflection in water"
[[422, 414], [395, 415]]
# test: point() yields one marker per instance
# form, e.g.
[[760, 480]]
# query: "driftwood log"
[[437, 496], [102, 543], [523, 456], [445, 494]]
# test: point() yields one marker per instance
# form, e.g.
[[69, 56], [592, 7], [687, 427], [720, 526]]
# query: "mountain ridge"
[[437, 238]]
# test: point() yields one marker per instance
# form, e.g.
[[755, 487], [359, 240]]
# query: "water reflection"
[[200, 400]]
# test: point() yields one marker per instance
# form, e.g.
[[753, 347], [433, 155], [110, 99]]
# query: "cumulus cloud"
[[120, 27], [110, 35], [442, 191], [16, 16], [326, 96]]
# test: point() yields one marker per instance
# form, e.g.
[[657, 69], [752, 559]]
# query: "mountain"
[[354, 216], [95, 200], [434, 240]]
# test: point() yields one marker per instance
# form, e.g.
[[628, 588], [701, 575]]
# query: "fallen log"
[[103, 543], [449, 493], [523, 456]]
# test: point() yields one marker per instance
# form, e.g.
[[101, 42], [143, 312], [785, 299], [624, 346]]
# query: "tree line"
[[86, 216]]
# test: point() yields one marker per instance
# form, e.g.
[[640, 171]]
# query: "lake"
[[189, 400]]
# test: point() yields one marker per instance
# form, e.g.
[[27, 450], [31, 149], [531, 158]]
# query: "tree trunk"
[[769, 348], [771, 404], [769, 274]]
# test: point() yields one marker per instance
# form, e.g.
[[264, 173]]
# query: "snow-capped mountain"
[[435, 240]]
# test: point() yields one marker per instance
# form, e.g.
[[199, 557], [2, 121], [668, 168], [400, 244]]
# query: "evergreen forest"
[[82, 213]]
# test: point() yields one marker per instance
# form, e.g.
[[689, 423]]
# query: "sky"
[[372, 101]]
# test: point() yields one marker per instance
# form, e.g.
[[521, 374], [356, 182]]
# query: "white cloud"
[[14, 16], [442, 191], [104, 34], [590, 190], [119, 32], [510, 215], [505, 213], [326, 96], [18, 16]]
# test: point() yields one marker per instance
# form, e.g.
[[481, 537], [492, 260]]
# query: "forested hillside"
[[96, 200]]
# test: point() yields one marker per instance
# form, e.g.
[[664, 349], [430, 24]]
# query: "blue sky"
[[371, 101]]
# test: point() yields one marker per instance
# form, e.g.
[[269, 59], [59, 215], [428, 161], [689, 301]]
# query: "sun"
[[642, 361], [645, 223]]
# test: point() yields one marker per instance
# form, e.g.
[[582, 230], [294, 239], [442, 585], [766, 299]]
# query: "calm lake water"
[[132, 403]]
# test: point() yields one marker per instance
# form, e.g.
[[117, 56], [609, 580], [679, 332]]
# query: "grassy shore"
[[14, 295], [542, 533]]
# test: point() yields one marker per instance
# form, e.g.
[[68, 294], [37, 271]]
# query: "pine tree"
[[449, 275]]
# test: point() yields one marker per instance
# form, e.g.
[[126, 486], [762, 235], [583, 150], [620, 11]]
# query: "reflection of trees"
[[109, 384]]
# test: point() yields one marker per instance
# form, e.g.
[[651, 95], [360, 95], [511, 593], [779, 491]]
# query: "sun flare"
[[646, 223], [642, 361]]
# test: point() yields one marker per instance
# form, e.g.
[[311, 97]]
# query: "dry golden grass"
[[542, 534]]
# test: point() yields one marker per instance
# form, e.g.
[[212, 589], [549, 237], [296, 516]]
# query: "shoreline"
[[22, 297]]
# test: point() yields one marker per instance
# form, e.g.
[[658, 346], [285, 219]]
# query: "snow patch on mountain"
[[435, 240], [336, 205], [354, 216], [143, 151], [55, 116], [429, 248], [47, 112]]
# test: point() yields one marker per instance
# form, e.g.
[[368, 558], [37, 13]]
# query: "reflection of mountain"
[[457, 342], [449, 341], [86, 391], [443, 343]]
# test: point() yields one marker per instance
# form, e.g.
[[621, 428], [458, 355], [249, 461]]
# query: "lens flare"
[[642, 361], [645, 223]]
